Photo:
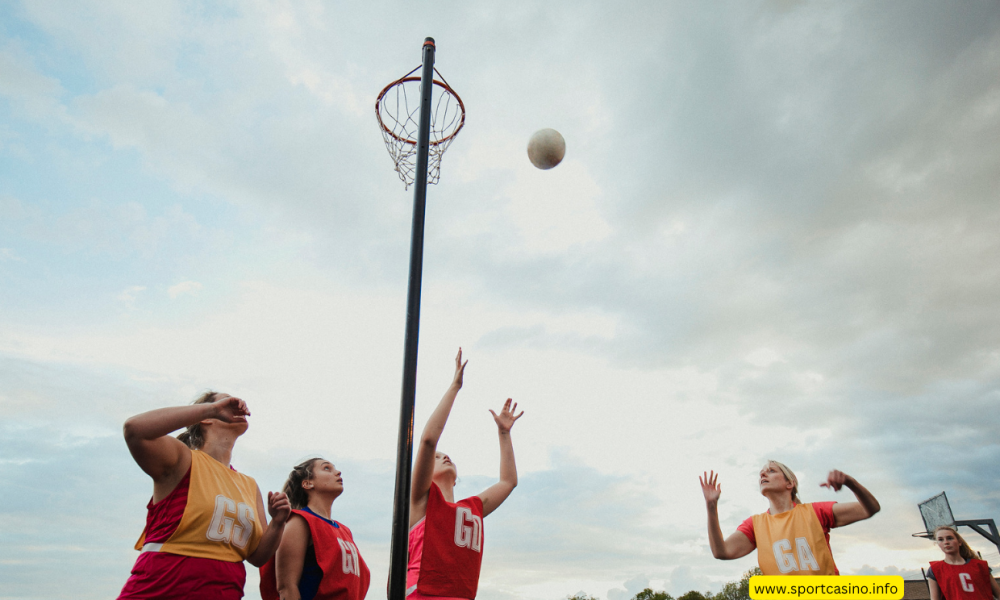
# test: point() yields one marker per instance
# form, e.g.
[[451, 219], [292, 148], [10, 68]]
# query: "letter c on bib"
[[966, 580]]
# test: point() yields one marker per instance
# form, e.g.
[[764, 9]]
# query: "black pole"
[[404, 449]]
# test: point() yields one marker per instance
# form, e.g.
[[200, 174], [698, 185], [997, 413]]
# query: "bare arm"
[[736, 545], [423, 466], [291, 557], [994, 585], [494, 495], [935, 590], [163, 457], [845, 513], [279, 509]]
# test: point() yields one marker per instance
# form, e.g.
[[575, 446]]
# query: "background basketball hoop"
[[397, 109]]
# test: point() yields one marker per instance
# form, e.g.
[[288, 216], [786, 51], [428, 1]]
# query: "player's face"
[[443, 464], [772, 479], [326, 478], [947, 541]]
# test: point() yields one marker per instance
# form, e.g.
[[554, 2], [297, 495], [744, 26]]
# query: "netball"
[[546, 148]]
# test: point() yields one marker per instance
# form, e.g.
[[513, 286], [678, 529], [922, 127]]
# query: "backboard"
[[936, 512]]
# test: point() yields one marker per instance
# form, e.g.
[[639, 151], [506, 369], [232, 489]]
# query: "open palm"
[[505, 420]]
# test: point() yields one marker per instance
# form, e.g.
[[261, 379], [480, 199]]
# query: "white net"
[[398, 112]]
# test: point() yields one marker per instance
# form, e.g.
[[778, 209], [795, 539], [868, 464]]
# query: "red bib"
[[452, 546], [963, 582], [345, 574]]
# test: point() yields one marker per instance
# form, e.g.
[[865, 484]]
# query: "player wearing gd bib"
[[961, 575], [446, 537], [791, 538], [204, 519]]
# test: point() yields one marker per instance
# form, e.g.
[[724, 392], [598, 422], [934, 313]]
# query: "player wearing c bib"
[[204, 518], [317, 558], [791, 538], [961, 575], [446, 537]]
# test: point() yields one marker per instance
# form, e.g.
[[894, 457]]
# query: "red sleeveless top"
[[970, 581], [345, 574], [446, 548]]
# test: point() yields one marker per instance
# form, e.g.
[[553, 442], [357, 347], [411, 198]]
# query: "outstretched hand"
[[230, 409], [710, 487], [505, 420], [459, 370], [278, 507], [835, 480]]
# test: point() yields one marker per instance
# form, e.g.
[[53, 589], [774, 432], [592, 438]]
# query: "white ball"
[[546, 148]]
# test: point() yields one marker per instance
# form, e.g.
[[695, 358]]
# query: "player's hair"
[[193, 436], [298, 497], [963, 547], [789, 476]]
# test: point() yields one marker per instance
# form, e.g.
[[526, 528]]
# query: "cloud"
[[631, 587], [774, 235], [8, 255], [184, 288], [129, 295]]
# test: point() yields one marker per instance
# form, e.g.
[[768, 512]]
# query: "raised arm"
[[494, 495], [163, 457], [423, 466], [736, 545], [280, 509], [845, 513]]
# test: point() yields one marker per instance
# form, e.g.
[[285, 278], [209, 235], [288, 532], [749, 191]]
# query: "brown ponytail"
[[298, 497], [193, 436]]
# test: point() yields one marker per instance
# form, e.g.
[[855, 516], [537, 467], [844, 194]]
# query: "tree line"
[[734, 590]]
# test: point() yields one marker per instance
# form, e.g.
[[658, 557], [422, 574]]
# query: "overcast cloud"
[[774, 235]]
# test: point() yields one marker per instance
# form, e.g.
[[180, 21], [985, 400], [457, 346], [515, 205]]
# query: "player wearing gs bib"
[[317, 558], [446, 537], [961, 575], [204, 518], [791, 538]]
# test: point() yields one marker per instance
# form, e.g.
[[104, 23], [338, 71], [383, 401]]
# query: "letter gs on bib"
[[223, 528]]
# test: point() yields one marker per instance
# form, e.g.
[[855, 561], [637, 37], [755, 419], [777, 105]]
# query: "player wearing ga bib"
[[795, 542], [333, 569], [198, 536], [971, 581], [791, 538], [446, 548]]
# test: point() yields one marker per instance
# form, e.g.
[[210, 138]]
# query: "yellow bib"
[[792, 543], [220, 517]]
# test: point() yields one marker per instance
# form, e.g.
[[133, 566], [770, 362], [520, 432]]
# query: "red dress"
[[446, 549], [345, 574], [970, 581]]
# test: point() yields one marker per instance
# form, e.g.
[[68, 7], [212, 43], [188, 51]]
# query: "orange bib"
[[792, 543], [220, 517]]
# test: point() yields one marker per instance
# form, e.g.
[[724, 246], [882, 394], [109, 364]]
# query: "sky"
[[774, 235]]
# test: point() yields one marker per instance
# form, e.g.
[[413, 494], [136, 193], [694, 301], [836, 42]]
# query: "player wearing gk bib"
[[446, 537], [204, 518], [317, 558], [791, 538], [961, 575]]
